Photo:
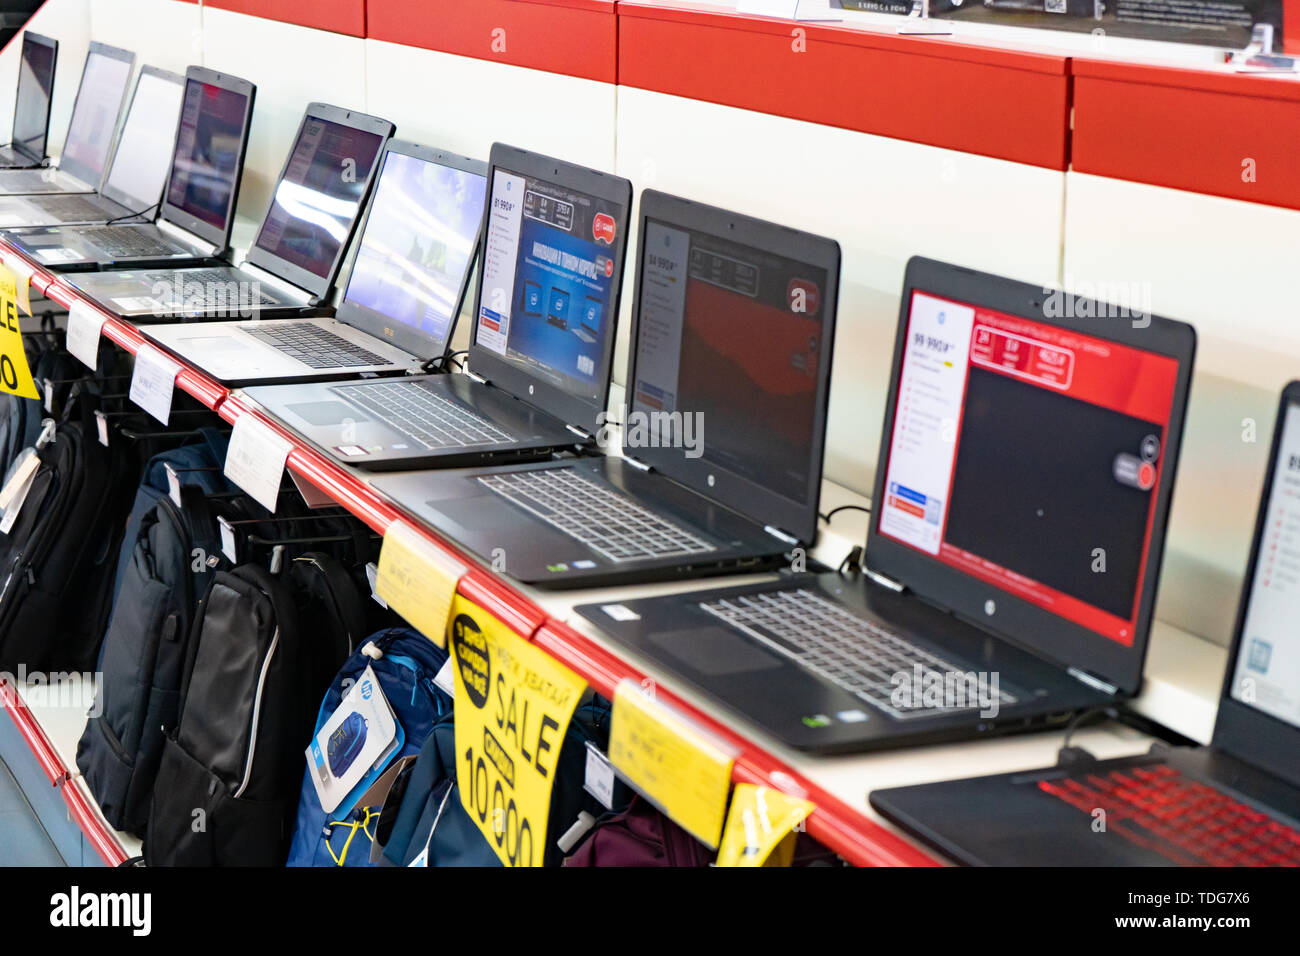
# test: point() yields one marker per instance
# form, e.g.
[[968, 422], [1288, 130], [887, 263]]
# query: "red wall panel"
[[337, 16]]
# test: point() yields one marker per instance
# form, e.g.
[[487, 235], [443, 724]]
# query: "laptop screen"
[[417, 247], [144, 149], [548, 272], [1266, 674], [208, 147], [729, 337], [319, 194], [1028, 457], [94, 117], [32, 109]]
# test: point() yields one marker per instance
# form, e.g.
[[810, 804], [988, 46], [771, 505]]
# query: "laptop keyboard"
[[315, 347], [216, 286], [851, 652], [1187, 822], [68, 208], [430, 420], [602, 519], [127, 240]]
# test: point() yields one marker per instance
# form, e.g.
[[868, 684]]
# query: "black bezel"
[[569, 408], [174, 214], [1024, 624], [53, 44], [66, 163], [1246, 732], [737, 493], [119, 197], [320, 286], [373, 322]]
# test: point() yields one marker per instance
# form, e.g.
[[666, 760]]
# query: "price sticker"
[[417, 580], [153, 381], [761, 827], [255, 459]]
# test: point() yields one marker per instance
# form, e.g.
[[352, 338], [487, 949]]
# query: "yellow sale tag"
[[417, 580], [761, 820], [668, 759], [15, 376], [513, 706]]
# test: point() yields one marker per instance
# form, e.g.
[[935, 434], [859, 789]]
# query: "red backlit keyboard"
[[1187, 822]]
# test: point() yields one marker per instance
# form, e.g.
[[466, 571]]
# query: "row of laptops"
[[33, 98]]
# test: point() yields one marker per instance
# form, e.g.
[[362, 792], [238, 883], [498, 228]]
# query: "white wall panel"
[[163, 33], [68, 21]]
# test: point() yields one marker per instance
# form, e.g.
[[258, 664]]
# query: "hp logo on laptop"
[[990, 607]]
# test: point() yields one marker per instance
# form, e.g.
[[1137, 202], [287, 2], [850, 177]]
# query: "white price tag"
[[49, 396], [173, 484], [445, 679], [153, 381], [16, 505], [372, 575], [101, 425], [599, 778], [228, 546], [84, 325], [255, 459]]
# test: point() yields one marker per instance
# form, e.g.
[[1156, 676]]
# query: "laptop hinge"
[[1095, 683], [475, 378], [584, 435], [184, 235], [780, 535], [638, 465], [883, 581], [288, 289]]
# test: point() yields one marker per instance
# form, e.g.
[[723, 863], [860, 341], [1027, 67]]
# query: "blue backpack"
[[406, 663]]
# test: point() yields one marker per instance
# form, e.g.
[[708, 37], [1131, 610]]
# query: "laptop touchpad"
[[479, 513], [714, 650], [326, 413]]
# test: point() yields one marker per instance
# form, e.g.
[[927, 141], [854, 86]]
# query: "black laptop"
[[723, 433], [31, 128], [533, 388], [1025, 471], [198, 200], [1233, 803], [294, 259]]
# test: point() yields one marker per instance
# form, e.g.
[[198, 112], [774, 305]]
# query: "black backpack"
[[175, 554], [228, 782], [58, 561]]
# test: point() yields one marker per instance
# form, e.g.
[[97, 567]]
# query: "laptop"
[[105, 78], [722, 439], [291, 267], [402, 298], [532, 389], [133, 184], [1027, 460], [1235, 802], [32, 103], [198, 202]]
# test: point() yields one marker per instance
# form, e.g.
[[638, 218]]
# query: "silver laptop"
[[292, 265], [198, 205], [405, 290], [104, 82], [32, 103], [133, 185]]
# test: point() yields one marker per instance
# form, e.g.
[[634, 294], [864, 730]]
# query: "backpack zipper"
[[257, 711]]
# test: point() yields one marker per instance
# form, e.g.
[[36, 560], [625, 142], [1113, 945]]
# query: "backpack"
[[405, 663], [639, 836], [58, 562], [228, 778], [143, 656], [431, 816]]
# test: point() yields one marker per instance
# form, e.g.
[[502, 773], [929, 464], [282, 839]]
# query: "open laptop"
[[1025, 471], [295, 258], [134, 182], [32, 103], [1235, 802], [722, 439], [532, 390], [198, 207], [403, 295], [105, 78]]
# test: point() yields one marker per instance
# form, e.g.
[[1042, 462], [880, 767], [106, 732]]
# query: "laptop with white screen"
[[32, 104]]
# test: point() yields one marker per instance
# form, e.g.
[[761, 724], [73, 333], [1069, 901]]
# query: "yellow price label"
[[15, 375], [513, 707], [761, 827], [417, 580], [673, 762]]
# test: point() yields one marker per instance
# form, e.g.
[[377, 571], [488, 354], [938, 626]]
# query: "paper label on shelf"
[[598, 780], [255, 459], [153, 381], [22, 273], [761, 827], [15, 376], [229, 547], [417, 580], [84, 326], [513, 706], [679, 766]]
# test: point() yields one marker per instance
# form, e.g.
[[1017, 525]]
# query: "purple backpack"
[[640, 836]]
